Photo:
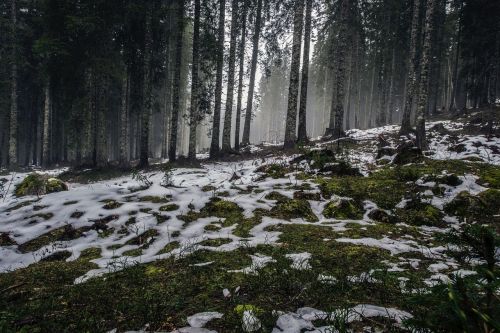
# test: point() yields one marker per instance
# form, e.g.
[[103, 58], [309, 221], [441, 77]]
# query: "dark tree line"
[[94, 82]]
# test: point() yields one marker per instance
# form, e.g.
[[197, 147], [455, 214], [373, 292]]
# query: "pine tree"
[[214, 147], [147, 86], [243, 21], [253, 69], [337, 110], [411, 82], [194, 114], [424, 75], [293, 91], [302, 131], [176, 95], [226, 133], [13, 100]]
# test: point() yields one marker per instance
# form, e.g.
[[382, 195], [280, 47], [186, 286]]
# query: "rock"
[[302, 195], [385, 151], [440, 129], [342, 168], [39, 184], [380, 215], [343, 209], [408, 153]]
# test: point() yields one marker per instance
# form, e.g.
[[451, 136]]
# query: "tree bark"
[[253, 70], [194, 114], [411, 81], [241, 75], [147, 86], [293, 90], [228, 119], [176, 96], [337, 111], [124, 114], [214, 147], [302, 131], [13, 98], [46, 122], [424, 75]]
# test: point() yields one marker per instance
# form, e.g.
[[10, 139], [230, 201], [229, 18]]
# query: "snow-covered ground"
[[134, 215]]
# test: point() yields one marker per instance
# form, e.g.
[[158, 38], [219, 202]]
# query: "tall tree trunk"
[[241, 75], [337, 111], [302, 131], [46, 129], [424, 75], [411, 81], [13, 98], [101, 155], [176, 95], [293, 90], [226, 133], [194, 114], [124, 114], [214, 147], [146, 112], [253, 70], [454, 89]]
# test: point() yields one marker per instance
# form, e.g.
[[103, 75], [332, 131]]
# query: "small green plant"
[[168, 176], [141, 178]]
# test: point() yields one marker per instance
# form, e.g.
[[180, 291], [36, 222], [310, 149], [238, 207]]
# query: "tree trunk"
[[454, 89], [226, 133], [412, 71], [194, 114], [176, 95], [46, 122], [424, 75], [293, 90], [214, 147], [241, 75], [124, 114], [253, 70], [337, 111], [13, 98], [147, 93], [302, 131]]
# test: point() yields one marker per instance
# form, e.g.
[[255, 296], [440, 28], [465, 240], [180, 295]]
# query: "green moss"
[[208, 188], [417, 213], [307, 195], [215, 242], [221, 208], [212, 227], [144, 239], [112, 204], [39, 184], [273, 170], [45, 216], [274, 195], [343, 209], [133, 253], [90, 254], [169, 208], [154, 199], [293, 208], [170, 247], [72, 202]]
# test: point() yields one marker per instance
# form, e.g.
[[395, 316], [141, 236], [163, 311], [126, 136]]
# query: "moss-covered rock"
[[39, 184], [380, 215], [273, 170], [274, 195], [169, 208], [293, 208], [408, 153], [221, 208], [302, 195], [343, 209], [317, 159], [478, 208], [417, 213]]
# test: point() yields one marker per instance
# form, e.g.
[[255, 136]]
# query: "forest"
[[204, 166]]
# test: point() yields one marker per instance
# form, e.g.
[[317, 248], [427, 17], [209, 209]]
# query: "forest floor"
[[279, 243]]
